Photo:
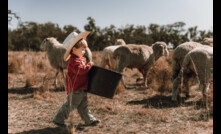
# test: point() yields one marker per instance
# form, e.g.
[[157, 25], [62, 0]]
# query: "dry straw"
[[159, 75]]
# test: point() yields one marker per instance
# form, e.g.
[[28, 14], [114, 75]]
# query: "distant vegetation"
[[29, 35]]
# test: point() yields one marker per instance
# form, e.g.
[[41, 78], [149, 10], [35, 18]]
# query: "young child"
[[76, 83]]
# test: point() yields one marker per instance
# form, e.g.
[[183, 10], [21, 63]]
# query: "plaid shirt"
[[77, 76]]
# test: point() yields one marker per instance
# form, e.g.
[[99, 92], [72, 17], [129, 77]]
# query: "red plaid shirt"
[[77, 76]]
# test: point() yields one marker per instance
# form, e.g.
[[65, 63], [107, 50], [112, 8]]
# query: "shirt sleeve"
[[78, 67]]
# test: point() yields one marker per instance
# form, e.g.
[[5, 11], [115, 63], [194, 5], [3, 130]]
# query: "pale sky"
[[116, 12]]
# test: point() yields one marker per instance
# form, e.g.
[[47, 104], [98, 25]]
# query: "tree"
[[192, 33], [67, 29], [10, 14], [94, 41], [29, 35], [109, 36]]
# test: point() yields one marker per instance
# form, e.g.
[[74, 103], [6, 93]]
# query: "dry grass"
[[159, 75], [31, 108], [15, 63]]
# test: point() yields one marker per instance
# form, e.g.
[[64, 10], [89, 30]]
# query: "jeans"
[[76, 99]]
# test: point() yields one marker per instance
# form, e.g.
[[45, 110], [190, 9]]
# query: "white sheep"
[[107, 54], [207, 41], [198, 62], [141, 57], [179, 54], [55, 52]]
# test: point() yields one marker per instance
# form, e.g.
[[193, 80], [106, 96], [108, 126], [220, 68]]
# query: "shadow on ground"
[[21, 90], [139, 86], [48, 130], [164, 102], [29, 90]]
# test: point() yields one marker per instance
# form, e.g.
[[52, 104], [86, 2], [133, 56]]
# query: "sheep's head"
[[44, 44], [120, 42], [160, 49], [47, 43]]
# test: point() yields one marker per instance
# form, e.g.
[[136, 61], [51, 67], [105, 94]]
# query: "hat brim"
[[80, 36]]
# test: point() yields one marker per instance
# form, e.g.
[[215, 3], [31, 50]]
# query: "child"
[[76, 83]]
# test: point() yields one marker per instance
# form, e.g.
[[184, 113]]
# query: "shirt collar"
[[75, 56]]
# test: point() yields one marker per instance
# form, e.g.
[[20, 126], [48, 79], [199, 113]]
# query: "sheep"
[[55, 52], [139, 56], [88, 55], [207, 41], [179, 54], [120, 42], [107, 54], [198, 62]]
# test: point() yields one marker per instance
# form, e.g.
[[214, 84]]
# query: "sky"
[[114, 12]]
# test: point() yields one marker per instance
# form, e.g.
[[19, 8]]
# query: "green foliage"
[[171, 33], [29, 35]]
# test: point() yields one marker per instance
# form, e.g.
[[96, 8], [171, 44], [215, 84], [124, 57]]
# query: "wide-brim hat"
[[71, 40]]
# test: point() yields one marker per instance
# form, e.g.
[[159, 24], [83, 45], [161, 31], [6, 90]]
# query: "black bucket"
[[103, 82]]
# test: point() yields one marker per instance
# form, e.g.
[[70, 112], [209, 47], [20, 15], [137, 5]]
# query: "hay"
[[159, 75]]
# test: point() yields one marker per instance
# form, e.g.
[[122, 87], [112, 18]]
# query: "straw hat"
[[71, 40]]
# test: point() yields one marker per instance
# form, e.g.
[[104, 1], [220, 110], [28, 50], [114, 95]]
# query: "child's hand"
[[91, 63]]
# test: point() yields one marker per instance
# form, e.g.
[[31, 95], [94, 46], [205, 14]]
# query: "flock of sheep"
[[192, 59], [188, 59]]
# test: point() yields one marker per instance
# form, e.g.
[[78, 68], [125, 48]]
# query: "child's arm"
[[79, 68], [91, 63]]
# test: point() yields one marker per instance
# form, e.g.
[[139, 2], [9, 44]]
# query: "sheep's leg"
[[122, 80], [119, 66], [205, 88], [104, 62], [140, 78], [187, 91], [186, 85], [206, 95], [63, 78], [55, 81], [175, 70], [145, 79], [112, 64], [175, 90]]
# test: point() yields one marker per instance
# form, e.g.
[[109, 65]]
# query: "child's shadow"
[[48, 130]]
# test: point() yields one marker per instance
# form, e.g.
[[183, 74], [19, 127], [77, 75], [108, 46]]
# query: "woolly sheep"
[[107, 54], [55, 52], [179, 54], [198, 62], [139, 56], [207, 41]]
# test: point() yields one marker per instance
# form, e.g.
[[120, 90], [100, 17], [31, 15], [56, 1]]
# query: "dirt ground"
[[136, 110]]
